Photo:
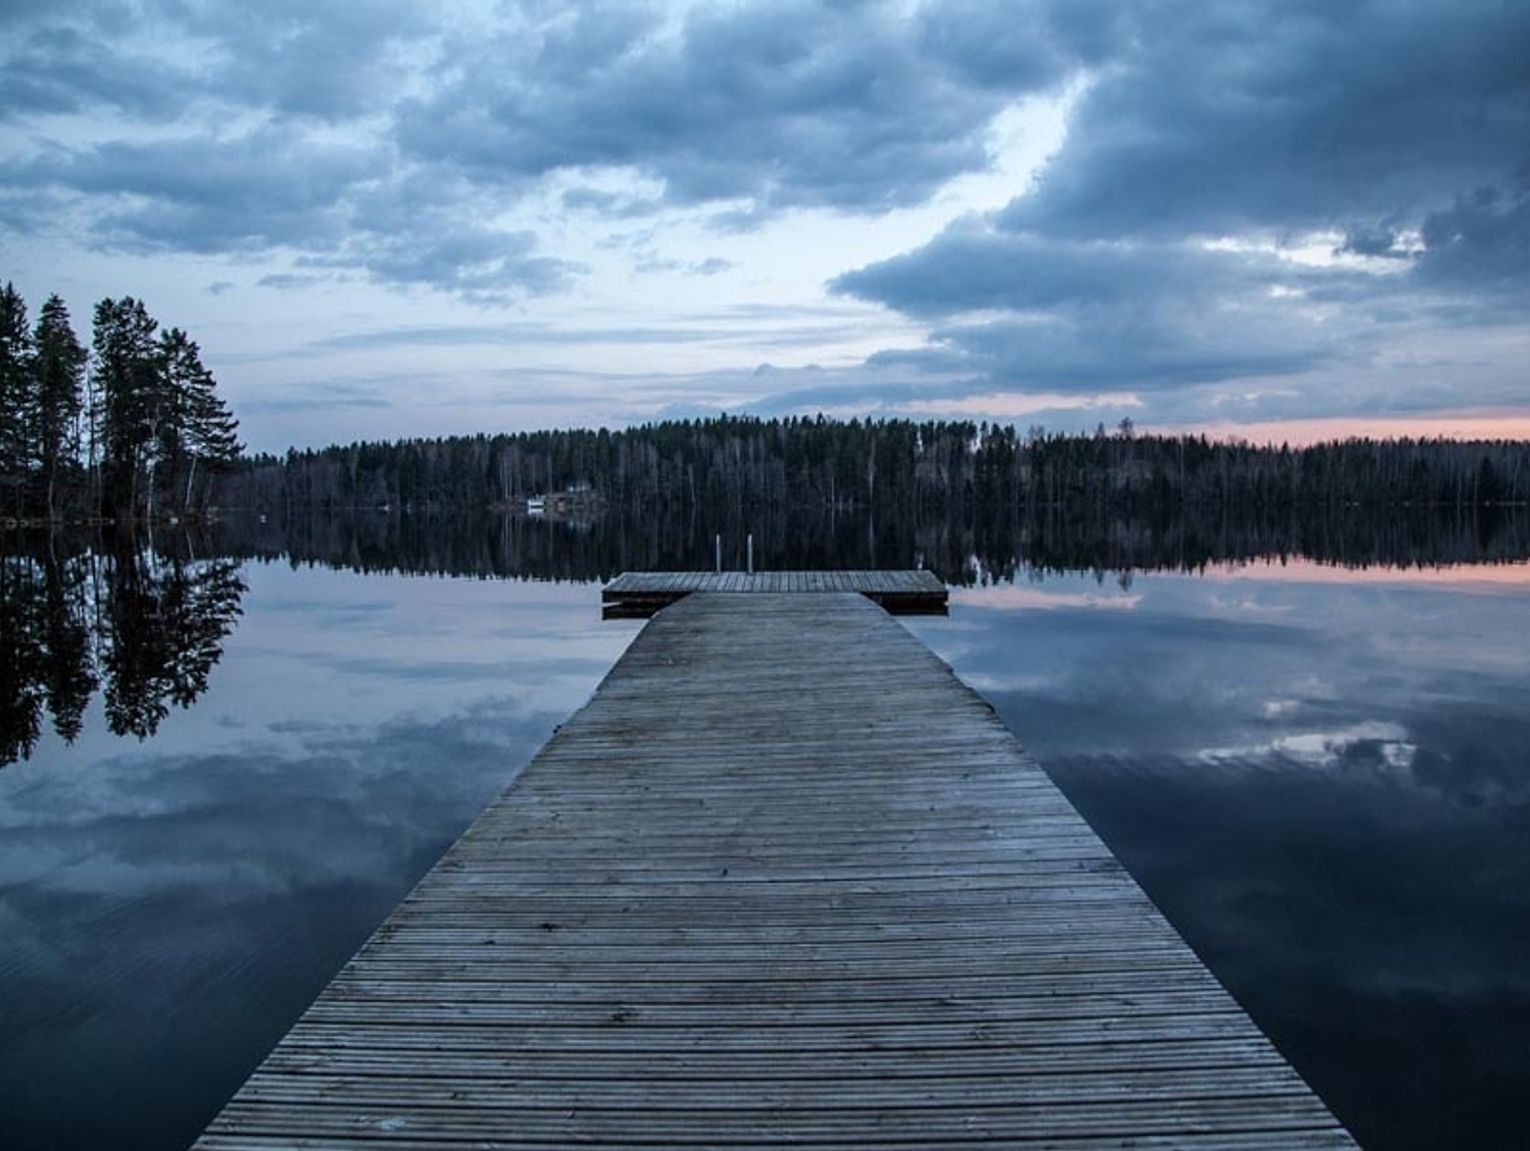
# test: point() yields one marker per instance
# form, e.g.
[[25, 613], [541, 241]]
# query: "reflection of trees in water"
[[147, 624], [962, 548]]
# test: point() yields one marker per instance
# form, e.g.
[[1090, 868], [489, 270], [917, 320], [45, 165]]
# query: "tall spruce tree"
[[17, 392], [129, 379], [200, 433], [60, 375]]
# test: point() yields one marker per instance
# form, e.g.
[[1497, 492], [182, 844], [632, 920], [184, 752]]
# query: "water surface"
[[168, 907], [1321, 775], [1323, 779]]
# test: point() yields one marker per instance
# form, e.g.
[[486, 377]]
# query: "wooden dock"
[[638, 595], [784, 881]]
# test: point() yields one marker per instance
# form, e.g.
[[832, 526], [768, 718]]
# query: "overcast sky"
[[1300, 216]]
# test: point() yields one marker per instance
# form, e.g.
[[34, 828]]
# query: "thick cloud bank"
[[1253, 210], [1251, 191]]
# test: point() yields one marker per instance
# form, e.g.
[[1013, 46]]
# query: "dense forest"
[[817, 465], [130, 429]]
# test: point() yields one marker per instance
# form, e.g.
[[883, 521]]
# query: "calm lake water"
[[1322, 776]]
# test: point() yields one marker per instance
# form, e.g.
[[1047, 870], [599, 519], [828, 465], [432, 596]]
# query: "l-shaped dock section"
[[640, 594]]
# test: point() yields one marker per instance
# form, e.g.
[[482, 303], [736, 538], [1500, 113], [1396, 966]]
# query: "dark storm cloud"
[[1147, 348], [205, 193], [339, 199], [371, 140], [972, 267], [1376, 240], [1481, 241], [328, 59], [1223, 118], [64, 70], [338, 205], [1404, 128], [453, 254], [753, 108], [1096, 315], [779, 105]]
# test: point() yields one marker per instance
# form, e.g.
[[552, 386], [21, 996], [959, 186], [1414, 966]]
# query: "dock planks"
[[783, 881], [638, 595]]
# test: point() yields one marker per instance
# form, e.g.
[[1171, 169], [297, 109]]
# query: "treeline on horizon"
[[130, 429], [820, 465]]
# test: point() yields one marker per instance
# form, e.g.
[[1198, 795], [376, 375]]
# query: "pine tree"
[[60, 374], [128, 374], [17, 389], [201, 431]]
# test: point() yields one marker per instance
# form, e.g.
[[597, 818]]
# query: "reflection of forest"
[[961, 549], [146, 626]]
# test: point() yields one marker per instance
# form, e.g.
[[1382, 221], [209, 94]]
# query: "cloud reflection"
[[1327, 796]]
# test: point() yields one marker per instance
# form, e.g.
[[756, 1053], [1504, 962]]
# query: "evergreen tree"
[[179, 364], [128, 373], [17, 390], [60, 374], [210, 431]]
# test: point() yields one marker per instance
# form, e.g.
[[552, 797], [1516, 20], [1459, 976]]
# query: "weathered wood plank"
[[783, 881], [640, 594], [1294, 1140]]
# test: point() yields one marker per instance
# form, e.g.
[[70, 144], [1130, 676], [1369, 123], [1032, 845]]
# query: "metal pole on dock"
[[751, 553], [717, 552]]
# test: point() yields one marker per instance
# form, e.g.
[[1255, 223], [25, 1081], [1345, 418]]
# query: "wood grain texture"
[[784, 881], [638, 595]]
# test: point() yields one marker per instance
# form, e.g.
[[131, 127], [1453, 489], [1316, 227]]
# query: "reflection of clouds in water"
[[1471, 756], [1020, 597], [396, 671], [985, 683], [1365, 744], [184, 906], [1246, 605], [1501, 578], [1329, 800], [165, 906], [347, 806]]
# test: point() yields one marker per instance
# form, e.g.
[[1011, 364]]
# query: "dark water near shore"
[[1320, 772]]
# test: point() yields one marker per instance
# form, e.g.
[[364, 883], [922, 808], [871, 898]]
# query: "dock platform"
[[638, 595], [783, 881]]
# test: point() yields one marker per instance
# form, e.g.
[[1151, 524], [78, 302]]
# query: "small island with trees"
[[131, 430]]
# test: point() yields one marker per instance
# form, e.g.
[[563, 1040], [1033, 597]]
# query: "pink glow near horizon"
[[1483, 578], [1476, 425], [1509, 575]]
